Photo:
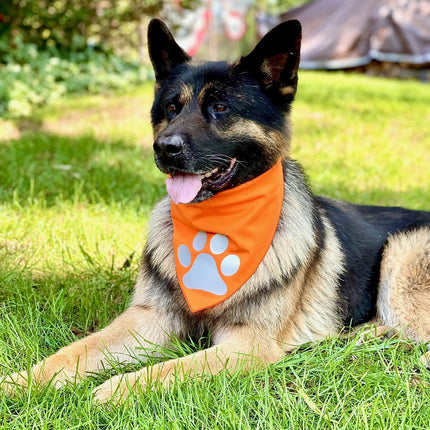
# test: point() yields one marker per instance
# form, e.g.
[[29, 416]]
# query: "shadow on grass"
[[54, 168]]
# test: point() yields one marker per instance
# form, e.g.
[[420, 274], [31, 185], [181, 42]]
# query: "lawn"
[[77, 183]]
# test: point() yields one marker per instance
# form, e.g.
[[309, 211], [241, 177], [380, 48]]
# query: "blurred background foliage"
[[71, 25], [51, 48]]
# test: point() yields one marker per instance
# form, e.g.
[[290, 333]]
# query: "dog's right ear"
[[164, 52]]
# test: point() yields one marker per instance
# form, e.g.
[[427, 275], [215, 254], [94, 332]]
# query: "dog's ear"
[[275, 60], [164, 52]]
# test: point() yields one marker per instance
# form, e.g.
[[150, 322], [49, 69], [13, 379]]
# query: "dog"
[[240, 247]]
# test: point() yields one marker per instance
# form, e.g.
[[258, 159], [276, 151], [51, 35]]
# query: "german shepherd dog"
[[330, 264]]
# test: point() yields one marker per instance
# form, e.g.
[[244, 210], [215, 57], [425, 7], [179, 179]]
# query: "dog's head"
[[217, 125]]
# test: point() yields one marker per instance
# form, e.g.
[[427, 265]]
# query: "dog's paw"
[[116, 389], [425, 359], [112, 390], [13, 383], [205, 266]]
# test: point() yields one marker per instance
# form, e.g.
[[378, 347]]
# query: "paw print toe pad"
[[230, 265], [219, 244], [199, 241], [184, 255]]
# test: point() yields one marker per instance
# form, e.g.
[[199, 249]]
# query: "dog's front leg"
[[137, 326], [236, 349]]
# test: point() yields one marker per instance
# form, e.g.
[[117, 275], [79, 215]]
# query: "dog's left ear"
[[274, 62], [164, 52]]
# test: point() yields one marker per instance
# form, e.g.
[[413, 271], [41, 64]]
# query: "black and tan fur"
[[326, 261]]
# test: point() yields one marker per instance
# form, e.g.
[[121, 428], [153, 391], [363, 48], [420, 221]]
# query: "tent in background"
[[340, 34]]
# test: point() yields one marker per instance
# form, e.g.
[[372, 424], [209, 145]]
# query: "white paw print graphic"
[[204, 274]]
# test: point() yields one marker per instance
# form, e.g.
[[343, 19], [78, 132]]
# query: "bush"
[[31, 77]]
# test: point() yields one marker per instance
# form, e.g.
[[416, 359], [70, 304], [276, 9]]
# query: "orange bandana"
[[220, 242]]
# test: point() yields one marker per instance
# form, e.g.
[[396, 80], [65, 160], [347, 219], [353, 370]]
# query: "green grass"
[[365, 140], [76, 188]]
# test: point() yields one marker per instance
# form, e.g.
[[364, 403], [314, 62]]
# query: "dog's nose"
[[169, 145]]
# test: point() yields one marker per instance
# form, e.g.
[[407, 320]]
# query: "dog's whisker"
[[225, 159]]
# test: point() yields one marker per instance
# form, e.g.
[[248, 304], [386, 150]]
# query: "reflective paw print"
[[204, 273]]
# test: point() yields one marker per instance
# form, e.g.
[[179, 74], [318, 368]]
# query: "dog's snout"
[[169, 146]]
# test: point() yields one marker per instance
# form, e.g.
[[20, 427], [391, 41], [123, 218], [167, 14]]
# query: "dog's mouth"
[[183, 187]]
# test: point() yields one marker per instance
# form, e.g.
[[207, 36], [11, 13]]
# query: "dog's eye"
[[219, 108], [172, 108]]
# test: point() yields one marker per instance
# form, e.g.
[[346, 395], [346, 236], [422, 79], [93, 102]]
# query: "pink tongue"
[[183, 188]]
